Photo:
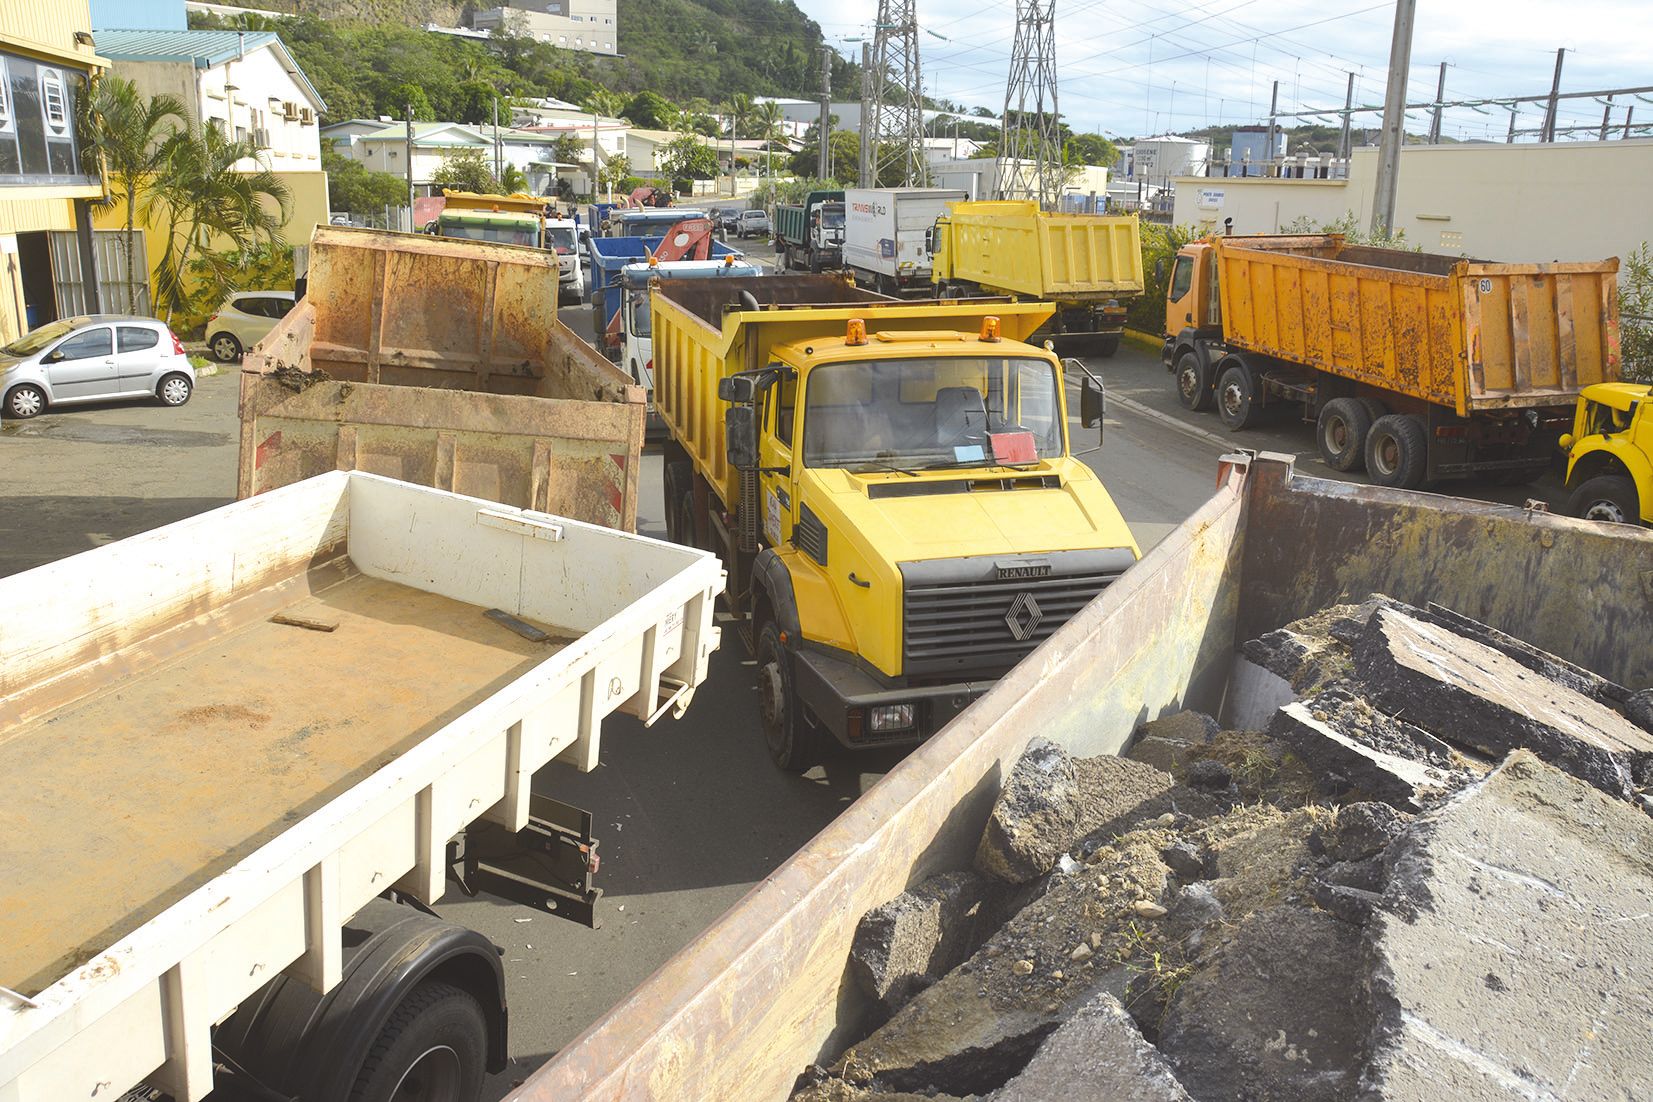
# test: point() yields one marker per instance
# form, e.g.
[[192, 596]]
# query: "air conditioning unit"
[[289, 111]]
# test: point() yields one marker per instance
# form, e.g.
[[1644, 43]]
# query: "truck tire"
[[1374, 407], [1397, 451], [1193, 382], [1237, 398], [794, 742], [434, 1047], [1341, 433], [1609, 497]]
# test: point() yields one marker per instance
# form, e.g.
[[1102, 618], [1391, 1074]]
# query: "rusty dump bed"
[[767, 990], [441, 361], [1467, 334], [193, 761]]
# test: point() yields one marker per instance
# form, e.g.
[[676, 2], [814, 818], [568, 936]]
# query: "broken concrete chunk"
[[1638, 709], [1362, 830], [913, 940], [1334, 757], [1032, 821], [1355, 717], [836, 1090], [1542, 662], [1052, 800], [1513, 951], [1097, 1054], [1313, 653], [1272, 1012], [1475, 696]]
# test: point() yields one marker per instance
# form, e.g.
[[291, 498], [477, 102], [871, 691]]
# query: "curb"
[[1225, 442], [1144, 340]]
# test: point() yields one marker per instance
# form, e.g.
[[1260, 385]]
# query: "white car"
[[93, 358], [243, 321]]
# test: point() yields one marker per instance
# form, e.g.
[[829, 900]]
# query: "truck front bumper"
[[843, 698]]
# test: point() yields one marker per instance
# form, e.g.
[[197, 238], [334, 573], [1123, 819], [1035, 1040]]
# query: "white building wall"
[[1521, 203]]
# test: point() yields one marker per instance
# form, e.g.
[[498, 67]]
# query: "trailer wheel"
[[1609, 497], [794, 742], [1237, 402], [433, 1049], [1193, 382], [1341, 433], [1397, 451]]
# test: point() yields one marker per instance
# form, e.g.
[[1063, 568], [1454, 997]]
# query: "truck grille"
[[987, 624]]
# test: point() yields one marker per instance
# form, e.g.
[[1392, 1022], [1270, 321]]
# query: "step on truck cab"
[[1416, 367], [1610, 454], [892, 487]]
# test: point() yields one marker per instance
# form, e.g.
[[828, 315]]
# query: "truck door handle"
[[857, 581]]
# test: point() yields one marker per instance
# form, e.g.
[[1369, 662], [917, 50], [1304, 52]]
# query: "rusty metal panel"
[[438, 361], [1537, 333]]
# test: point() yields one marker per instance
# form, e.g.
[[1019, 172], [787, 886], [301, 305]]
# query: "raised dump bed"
[[766, 990], [442, 362], [224, 737]]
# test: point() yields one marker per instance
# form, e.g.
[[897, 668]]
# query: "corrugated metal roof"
[[202, 49]]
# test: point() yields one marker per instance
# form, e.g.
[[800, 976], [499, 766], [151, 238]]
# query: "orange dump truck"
[[441, 361], [1417, 366]]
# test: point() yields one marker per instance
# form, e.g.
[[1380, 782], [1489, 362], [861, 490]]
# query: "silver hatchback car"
[[93, 358]]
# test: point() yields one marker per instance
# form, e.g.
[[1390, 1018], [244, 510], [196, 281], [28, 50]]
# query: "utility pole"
[[1273, 110], [1606, 119], [1440, 105], [407, 115], [1348, 111], [896, 122], [1394, 120], [1553, 104], [1030, 151], [865, 176], [1509, 139], [825, 131], [499, 169], [1629, 113]]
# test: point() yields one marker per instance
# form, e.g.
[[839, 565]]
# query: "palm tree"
[[132, 133], [605, 103], [766, 121], [740, 109], [208, 201], [512, 181]]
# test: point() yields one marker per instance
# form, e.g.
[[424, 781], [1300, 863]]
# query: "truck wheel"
[[434, 1048], [1610, 497], [794, 742], [1193, 383], [1374, 408], [1341, 433], [1397, 451], [1237, 402]]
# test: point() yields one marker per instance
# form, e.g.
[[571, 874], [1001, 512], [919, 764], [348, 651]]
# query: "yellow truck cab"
[[1610, 454], [892, 489]]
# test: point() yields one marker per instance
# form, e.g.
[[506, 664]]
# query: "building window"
[[37, 131]]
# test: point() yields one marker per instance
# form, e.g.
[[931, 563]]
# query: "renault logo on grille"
[[1023, 617]]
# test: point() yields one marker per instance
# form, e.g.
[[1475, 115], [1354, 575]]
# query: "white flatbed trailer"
[[225, 738]]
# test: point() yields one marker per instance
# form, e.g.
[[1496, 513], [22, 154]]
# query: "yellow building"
[[244, 82], [47, 267]]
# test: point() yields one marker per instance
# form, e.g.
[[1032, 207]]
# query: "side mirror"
[[1093, 402], [52, 357], [739, 389], [740, 434]]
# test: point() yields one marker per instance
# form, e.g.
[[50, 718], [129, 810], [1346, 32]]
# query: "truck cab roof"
[[1618, 395]]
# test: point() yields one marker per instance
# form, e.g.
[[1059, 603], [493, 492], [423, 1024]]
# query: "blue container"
[[607, 256]]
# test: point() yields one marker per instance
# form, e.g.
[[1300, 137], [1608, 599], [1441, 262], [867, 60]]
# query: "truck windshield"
[[832, 217], [500, 233], [929, 413], [560, 238]]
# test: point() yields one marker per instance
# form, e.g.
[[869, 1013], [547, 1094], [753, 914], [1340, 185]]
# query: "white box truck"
[[239, 752], [886, 236]]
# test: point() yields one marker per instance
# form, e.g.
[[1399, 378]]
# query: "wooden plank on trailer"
[[1520, 335]]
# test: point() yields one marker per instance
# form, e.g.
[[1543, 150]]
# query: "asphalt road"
[[690, 814]]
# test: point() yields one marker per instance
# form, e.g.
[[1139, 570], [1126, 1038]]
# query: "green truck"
[[810, 235]]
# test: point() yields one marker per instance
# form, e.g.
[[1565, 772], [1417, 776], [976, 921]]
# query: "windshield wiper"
[[879, 465], [961, 463]]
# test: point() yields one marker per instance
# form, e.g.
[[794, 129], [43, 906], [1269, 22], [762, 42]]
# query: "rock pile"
[[1429, 876]]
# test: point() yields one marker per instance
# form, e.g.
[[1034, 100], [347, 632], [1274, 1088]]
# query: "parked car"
[[94, 358], [754, 223], [243, 321], [728, 220]]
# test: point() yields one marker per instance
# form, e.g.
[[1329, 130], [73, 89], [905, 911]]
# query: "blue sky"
[[1128, 67]]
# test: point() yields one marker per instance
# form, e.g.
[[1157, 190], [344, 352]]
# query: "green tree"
[[512, 181], [651, 111], [1159, 250], [739, 110], [602, 102], [614, 170], [568, 150], [202, 194], [131, 133], [1091, 149], [1636, 314], [353, 187], [406, 97], [846, 157], [465, 170], [685, 157]]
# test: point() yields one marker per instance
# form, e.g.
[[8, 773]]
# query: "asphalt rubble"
[[1429, 875]]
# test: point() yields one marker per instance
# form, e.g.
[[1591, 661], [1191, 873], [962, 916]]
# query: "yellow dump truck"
[[1610, 454], [891, 488], [441, 362], [1417, 367], [1089, 266]]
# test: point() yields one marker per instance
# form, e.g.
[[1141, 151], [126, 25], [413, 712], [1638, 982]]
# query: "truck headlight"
[[890, 717]]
